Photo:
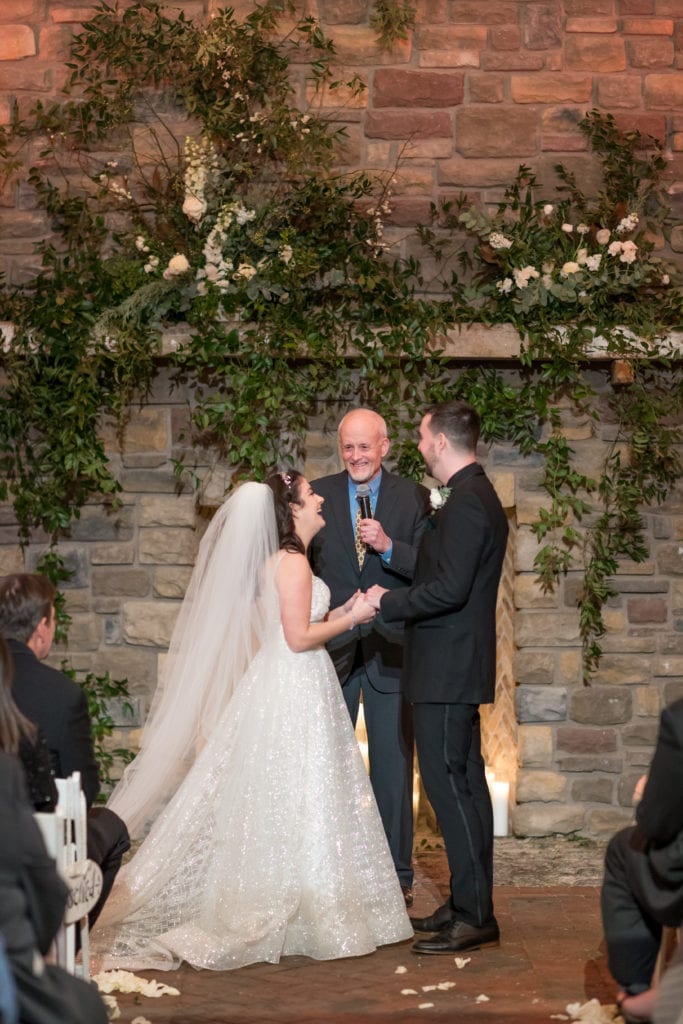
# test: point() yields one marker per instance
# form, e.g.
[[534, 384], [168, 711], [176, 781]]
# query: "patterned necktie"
[[360, 546]]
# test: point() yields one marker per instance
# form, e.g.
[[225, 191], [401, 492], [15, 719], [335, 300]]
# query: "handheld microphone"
[[363, 499]]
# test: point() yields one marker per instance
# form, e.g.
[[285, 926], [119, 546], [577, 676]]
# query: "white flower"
[[569, 268], [242, 214], [194, 208], [629, 251], [627, 224], [666, 279], [581, 256], [151, 264], [125, 981], [567, 228], [244, 270], [593, 262], [582, 229], [505, 285], [614, 249], [141, 244], [286, 253], [523, 276], [177, 265], [602, 236], [438, 497], [499, 241], [548, 209]]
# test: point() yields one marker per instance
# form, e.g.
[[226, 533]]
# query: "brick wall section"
[[480, 87]]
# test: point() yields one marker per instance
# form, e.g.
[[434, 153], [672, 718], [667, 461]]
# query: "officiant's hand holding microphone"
[[371, 532]]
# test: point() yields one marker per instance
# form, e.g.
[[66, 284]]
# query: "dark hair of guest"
[[286, 489], [13, 725], [25, 600]]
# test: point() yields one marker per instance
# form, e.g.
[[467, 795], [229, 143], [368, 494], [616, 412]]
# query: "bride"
[[265, 839]]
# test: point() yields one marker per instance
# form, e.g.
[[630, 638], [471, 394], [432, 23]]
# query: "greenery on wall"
[[188, 175]]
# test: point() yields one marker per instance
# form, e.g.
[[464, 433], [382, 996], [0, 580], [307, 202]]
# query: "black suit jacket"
[[450, 610], [32, 895], [58, 705], [654, 856], [660, 812], [402, 509]]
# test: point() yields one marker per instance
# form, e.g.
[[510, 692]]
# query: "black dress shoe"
[[458, 937], [442, 916], [407, 891]]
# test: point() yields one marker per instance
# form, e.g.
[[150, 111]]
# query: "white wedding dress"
[[272, 845]]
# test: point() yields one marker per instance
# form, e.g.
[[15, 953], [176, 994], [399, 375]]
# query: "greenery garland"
[[182, 182]]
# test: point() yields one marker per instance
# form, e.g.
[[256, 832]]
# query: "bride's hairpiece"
[[286, 479]]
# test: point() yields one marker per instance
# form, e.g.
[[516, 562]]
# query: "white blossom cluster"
[[625, 251], [201, 170], [218, 268]]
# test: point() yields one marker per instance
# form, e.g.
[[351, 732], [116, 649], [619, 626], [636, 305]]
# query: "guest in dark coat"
[[23, 739], [643, 884], [32, 902], [59, 707]]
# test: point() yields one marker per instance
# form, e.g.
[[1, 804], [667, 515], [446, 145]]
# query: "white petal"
[[462, 961], [408, 992], [401, 970], [482, 999], [425, 1006]]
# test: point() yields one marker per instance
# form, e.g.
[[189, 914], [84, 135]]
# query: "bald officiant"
[[374, 520]]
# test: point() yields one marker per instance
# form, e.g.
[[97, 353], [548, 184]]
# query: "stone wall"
[[480, 87], [579, 750]]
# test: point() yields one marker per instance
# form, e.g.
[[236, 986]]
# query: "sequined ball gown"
[[272, 845]]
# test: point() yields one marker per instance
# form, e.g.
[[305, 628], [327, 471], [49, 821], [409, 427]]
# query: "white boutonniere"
[[438, 497]]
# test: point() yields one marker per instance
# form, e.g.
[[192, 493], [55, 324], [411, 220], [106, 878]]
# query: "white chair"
[[65, 835]]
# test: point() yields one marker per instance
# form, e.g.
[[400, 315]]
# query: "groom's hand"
[[375, 595]]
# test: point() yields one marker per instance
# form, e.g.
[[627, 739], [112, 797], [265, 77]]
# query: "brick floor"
[[551, 954]]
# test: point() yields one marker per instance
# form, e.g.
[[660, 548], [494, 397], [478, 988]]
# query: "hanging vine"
[[226, 213]]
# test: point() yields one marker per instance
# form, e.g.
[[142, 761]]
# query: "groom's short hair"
[[458, 421]]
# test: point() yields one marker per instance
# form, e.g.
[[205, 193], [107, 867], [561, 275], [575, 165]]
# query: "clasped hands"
[[365, 605]]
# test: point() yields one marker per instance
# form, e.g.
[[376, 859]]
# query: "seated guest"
[[59, 707], [643, 884], [25, 740], [32, 902]]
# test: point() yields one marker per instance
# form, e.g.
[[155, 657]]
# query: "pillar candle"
[[500, 793]]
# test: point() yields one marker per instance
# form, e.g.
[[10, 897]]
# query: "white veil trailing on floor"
[[230, 604]]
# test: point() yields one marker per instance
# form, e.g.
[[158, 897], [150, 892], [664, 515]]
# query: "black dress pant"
[[108, 840], [632, 935], [448, 738]]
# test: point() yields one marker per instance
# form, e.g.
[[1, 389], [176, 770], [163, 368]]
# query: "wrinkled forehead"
[[365, 430]]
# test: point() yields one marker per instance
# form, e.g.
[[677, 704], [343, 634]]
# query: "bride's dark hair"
[[286, 487]]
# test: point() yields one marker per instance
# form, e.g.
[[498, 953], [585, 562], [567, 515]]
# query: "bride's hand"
[[362, 609], [348, 605]]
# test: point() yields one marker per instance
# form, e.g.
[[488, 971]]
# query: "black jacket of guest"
[[450, 610], [58, 705], [32, 901]]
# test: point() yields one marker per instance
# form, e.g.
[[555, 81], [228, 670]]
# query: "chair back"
[[66, 837]]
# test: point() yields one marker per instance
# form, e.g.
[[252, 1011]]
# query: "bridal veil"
[[222, 622]]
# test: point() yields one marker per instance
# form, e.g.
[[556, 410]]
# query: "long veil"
[[229, 605]]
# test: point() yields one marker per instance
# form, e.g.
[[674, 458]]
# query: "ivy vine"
[[183, 179]]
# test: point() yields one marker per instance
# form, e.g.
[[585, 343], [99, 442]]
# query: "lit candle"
[[500, 794]]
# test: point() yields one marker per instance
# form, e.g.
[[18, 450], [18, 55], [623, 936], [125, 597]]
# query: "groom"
[[368, 659], [450, 668]]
